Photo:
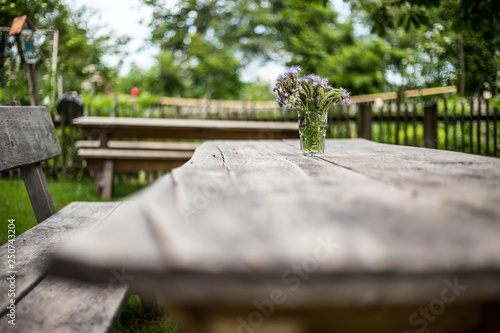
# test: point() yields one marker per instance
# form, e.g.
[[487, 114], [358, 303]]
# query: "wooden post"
[[365, 121], [398, 113], [462, 128], [31, 73], [487, 135], [72, 141], [496, 149], [107, 180], [478, 124], [63, 143], [53, 85], [38, 191], [430, 125], [471, 125], [59, 86], [116, 106], [445, 123], [405, 108]]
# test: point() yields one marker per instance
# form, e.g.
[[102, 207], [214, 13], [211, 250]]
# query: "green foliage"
[[163, 79], [359, 67], [212, 40], [439, 42], [257, 91], [124, 103], [320, 44], [79, 46], [135, 318]]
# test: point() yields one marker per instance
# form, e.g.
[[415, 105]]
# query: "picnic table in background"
[[106, 128], [252, 236], [104, 157]]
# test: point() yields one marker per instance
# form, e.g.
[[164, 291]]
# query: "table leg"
[[107, 180]]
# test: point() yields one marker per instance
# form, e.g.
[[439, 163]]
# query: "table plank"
[[134, 154], [138, 145], [148, 128]]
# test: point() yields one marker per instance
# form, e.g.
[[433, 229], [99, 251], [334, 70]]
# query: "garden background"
[[375, 47]]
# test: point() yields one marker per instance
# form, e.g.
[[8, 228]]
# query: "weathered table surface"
[[251, 235], [105, 128]]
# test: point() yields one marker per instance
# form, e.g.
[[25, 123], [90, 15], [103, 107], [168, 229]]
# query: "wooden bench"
[[130, 156], [32, 299], [104, 157]]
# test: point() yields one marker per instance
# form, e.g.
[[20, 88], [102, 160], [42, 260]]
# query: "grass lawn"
[[135, 319], [15, 204]]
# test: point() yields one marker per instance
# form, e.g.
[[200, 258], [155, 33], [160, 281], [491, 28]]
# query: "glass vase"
[[312, 130]]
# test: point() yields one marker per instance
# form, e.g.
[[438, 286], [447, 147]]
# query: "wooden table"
[[251, 236], [105, 128], [159, 156]]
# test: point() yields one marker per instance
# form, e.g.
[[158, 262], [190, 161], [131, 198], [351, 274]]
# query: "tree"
[[466, 50], [79, 47], [213, 40], [162, 79], [311, 33]]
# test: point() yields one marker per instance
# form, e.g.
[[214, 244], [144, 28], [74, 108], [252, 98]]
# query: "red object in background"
[[134, 91]]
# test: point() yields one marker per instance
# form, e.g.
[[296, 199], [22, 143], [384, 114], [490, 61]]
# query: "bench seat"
[[46, 303], [134, 160], [105, 161], [144, 145]]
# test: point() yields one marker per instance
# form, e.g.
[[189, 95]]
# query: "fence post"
[[364, 120], [430, 125]]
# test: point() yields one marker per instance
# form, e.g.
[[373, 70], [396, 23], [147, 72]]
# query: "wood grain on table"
[[367, 223]]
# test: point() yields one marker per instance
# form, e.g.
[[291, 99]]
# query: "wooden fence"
[[441, 121], [469, 126]]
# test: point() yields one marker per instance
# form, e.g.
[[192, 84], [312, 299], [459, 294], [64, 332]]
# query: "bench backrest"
[[27, 137]]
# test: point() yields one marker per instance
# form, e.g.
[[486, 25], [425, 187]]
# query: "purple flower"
[[345, 97], [293, 70], [315, 80], [310, 91]]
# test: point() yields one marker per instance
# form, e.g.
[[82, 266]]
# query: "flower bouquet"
[[311, 96]]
